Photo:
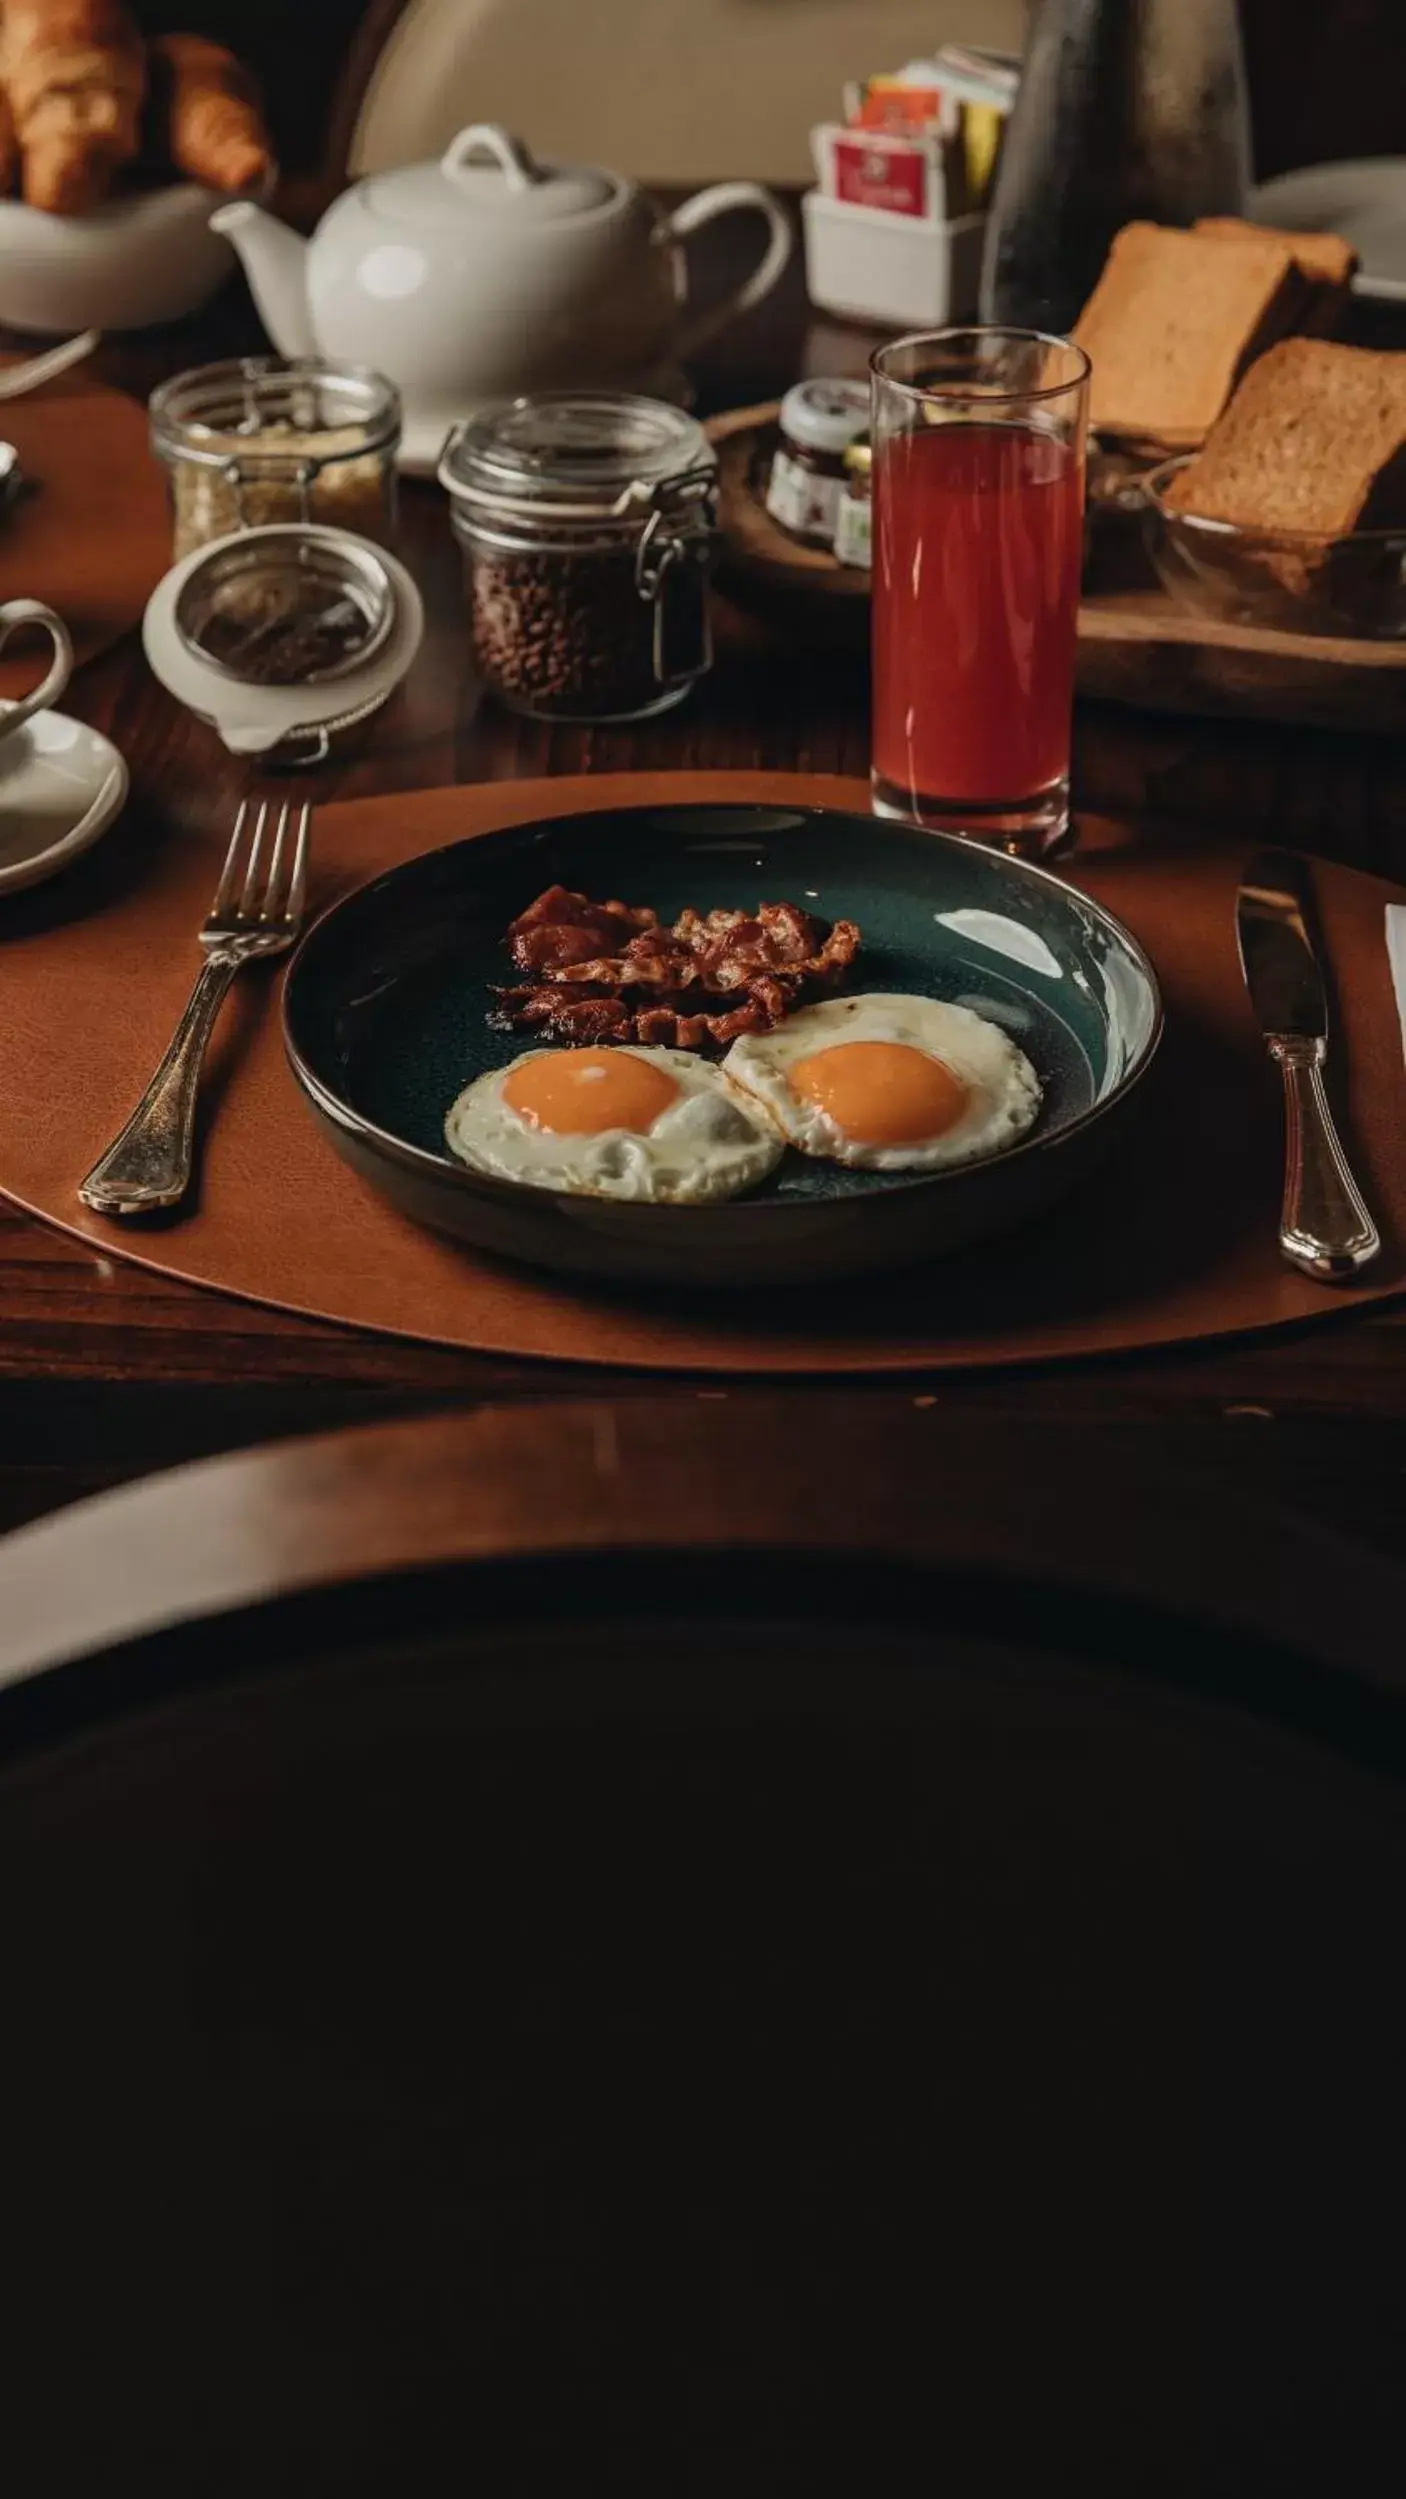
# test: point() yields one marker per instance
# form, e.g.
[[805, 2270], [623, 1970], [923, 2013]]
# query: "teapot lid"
[[487, 177]]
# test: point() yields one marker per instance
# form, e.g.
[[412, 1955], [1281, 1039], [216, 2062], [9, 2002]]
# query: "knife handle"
[[1325, 1227]]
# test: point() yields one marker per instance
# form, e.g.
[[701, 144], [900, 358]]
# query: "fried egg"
[[889, 1083], [653, 1126]]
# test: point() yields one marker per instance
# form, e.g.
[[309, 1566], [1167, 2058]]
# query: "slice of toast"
[[1326, 263], [1325, 256], [1314, 440], [1173, 322]]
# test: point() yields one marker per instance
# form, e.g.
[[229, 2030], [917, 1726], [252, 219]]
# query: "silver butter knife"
[[1324, 1228]]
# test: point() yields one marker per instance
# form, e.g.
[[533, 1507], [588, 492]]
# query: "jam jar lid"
[[575, 455], [825, 416], [288, 607]]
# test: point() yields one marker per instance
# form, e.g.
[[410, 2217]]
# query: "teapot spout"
[[275, 263]]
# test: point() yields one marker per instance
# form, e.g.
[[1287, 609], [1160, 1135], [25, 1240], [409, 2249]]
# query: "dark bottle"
[[1127, 108]]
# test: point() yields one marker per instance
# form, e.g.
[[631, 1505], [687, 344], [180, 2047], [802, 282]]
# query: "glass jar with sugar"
[[260, 440]]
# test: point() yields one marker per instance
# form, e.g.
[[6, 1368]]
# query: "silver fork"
[[149, 1164]]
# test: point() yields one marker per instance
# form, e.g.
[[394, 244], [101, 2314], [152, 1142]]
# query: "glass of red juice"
[[978, 440]]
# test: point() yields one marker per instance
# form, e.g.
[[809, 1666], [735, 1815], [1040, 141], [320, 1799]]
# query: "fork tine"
[[298, 886], [251, 880], [224, 891], [273, 909]]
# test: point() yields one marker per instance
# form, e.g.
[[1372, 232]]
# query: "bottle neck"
[[1127, 109]]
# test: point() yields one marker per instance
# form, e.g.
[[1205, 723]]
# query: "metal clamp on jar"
[[282, 638], [586, 522]]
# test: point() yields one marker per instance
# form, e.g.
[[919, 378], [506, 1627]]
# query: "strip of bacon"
[[562, 928], [609, 972]]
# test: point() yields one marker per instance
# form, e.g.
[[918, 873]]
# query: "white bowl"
[[137, 262]]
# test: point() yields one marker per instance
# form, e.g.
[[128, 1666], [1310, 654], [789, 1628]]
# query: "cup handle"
[[14, 614], [704, 206]]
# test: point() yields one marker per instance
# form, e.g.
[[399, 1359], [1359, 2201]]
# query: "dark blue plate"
[[385, 1019]]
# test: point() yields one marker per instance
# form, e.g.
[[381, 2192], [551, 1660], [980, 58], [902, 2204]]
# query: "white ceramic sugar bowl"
[[486, 275]]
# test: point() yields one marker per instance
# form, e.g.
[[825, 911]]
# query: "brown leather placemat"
[[91, 534], [1174, 1240]]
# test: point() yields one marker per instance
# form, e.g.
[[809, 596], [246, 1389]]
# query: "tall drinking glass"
[[978, 545]]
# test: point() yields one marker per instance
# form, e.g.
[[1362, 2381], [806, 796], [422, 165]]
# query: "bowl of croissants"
[[114, 152]]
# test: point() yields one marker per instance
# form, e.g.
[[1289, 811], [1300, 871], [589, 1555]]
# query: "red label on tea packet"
[[892, 177]]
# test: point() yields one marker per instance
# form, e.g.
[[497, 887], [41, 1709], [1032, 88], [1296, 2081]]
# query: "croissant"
[[75, 73], [217, 132]]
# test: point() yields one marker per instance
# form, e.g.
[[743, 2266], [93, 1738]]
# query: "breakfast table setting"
[[391, 785], [702, 1280]]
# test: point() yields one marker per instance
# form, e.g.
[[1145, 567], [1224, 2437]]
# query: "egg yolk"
[[581, 1093], [880, 1092]]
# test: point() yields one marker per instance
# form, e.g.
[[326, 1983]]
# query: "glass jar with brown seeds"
[[586, 525]]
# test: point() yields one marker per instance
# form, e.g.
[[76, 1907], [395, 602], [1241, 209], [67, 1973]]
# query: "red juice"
[[978, 548]]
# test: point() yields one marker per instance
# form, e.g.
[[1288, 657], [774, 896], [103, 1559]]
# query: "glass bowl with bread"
[[1275, 495], [1287, 581], [1292, 515]]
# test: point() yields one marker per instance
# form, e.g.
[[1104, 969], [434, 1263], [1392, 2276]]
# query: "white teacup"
[[15, 613]]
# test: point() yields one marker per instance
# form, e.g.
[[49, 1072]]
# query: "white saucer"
[[1364, 200], [61, 784]]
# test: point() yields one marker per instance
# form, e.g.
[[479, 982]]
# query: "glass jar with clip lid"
[[263, 440], [586, 521]]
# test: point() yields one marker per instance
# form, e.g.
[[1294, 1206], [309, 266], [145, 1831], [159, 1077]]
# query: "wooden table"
[[106, 1371]]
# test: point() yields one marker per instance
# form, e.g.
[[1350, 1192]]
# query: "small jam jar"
[[854, 521], [819, 421]]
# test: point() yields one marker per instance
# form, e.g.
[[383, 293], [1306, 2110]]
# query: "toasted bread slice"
[[1314, 440], [1318, 256], [1173, 322], [1326, 263]]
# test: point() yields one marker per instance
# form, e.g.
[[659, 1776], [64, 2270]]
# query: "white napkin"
[[1396, 956]]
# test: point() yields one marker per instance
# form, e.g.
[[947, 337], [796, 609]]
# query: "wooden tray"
[[91, 535], [1174, 1241], [1135, 644], [799, 589]]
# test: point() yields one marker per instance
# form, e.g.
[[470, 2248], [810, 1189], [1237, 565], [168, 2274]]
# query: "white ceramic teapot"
[[487, 274]]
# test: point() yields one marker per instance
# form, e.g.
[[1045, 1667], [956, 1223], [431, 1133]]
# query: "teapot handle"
[[700, 211], [513, 158]]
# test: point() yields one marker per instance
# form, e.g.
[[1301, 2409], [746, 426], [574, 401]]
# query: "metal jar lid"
[[825, 416], [326, 690], [286, 607], [607, 459], [274, 416]]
